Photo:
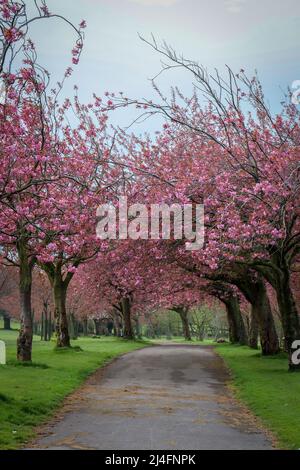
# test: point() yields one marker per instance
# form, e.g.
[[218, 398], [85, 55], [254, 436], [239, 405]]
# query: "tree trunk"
[[233, 330], [254, 290], [253, 331], [85, 327], [183, 313], [117, 323], [59, 284], [42, 327], [126, 311], [289, 317], [137, 326], [72, 326], [97, 326], [46, 328], [237, 330], [109, 327], [278, 275], [261, 310], [24, 341], [62, 331], [252, 286], [6, 320], [220, 289], [45, 322], [50, 327]]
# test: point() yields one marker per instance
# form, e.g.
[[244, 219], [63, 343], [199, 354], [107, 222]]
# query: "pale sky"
[[248, 34]]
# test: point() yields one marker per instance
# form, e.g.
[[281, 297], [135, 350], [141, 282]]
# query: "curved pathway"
[[162, 397]]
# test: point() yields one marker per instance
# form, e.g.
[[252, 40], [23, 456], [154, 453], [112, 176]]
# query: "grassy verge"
[[30, 394], [181, 340], [271, 392]]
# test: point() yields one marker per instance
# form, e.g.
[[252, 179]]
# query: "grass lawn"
[[182, 340], [270, 391], [29, 394]]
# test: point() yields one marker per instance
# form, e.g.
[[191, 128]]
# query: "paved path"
[[163, 397]]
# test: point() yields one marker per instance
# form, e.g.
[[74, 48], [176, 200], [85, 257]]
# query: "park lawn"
[[182, 340], [30, 394], [269, 390]]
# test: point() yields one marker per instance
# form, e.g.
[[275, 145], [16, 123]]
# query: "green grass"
[[30, 393], [270, 391], [182, 340], [14, 324]]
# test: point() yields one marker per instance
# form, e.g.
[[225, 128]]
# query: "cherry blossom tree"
[[246, 170], [29, 151]]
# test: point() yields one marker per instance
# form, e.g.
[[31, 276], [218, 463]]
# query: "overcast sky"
[[249, 34]]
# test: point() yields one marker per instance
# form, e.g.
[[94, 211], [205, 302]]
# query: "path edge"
[[68, 401], [261, 424]]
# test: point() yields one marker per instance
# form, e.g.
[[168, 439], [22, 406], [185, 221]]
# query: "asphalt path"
[[162, 397]]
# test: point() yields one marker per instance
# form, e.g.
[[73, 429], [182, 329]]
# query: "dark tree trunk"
[[277, 273], [59, 285], [117, 323], [85, 326], [42, 327], [254, 290], [224, 292], [50, 327], [183, 313], [46, 328], [109, 327], [253, 331], [6, 320], [137, 326], [289, 317], [104, 329], [261, 310], [72, 326], [237, 330], [24, 341], [62, 331], [45, 323], [97, 326], [126, 311], [233, 330]]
